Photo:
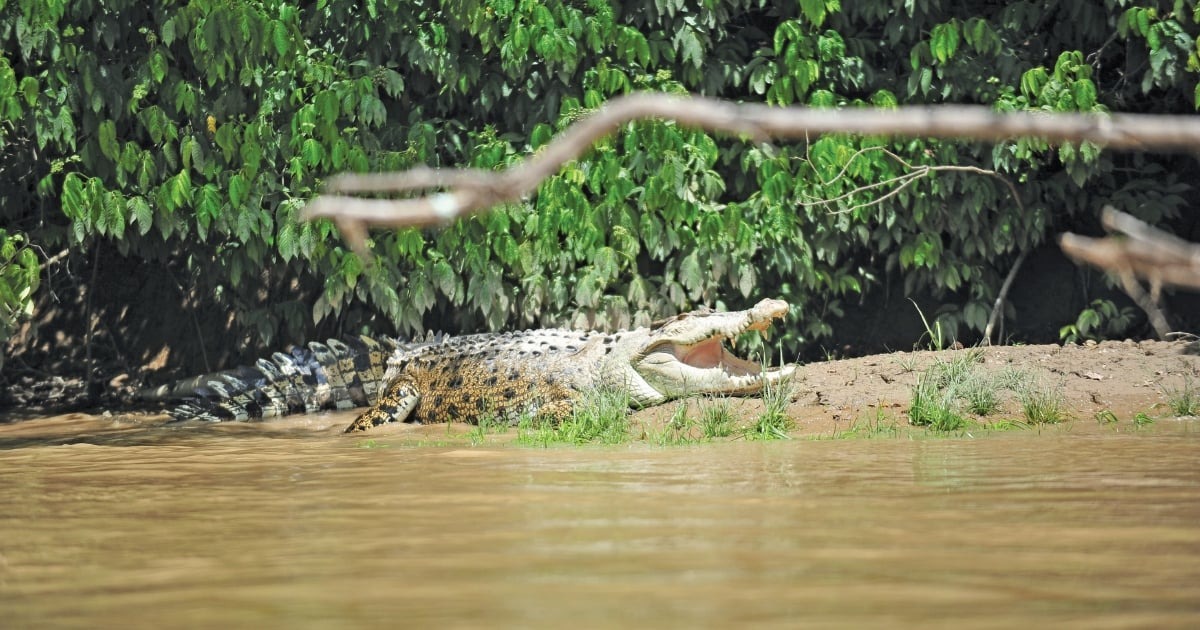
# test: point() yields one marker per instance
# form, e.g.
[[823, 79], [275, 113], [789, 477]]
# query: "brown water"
[[293, 525]]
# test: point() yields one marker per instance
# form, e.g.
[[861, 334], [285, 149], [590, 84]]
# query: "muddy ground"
[[1118, 380]]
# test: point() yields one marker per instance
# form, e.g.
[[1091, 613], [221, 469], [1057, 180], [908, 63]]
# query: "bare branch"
[[1146, 252], [998, 307], [472, 190]]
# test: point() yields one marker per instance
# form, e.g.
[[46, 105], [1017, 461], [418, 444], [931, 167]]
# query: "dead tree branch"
[[468, 191], [1160, 258]]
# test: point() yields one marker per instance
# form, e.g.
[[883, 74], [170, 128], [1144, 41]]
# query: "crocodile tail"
[[332, 375]]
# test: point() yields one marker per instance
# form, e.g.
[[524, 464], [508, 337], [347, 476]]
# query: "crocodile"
[[472, 377]]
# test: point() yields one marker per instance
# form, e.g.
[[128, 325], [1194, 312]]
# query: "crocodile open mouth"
[[708, 366], [711, 354]]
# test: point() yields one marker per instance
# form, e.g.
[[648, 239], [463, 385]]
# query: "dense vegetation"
[[189, 134]]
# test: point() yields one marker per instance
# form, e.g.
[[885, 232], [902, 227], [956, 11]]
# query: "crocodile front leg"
[[395, 405]]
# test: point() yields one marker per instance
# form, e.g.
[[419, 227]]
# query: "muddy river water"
[[111, 524]]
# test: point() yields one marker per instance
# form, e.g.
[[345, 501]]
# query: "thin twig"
[[53, 260]]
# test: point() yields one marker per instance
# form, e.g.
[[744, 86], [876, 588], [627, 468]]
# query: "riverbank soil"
[[1110, 385]]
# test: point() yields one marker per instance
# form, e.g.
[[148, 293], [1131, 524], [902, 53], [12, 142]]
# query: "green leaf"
[[208, 206], [328, 106], [690, 274], [180, 189], [139, 212], [814, 11], [106, 134], [312, 152], [943, 41], [393, 83], [168, 31], [238, 188], [29, 90], [72, 196], [226, 138], [279, 38], [158, 66], [286, 240], [689, 47]]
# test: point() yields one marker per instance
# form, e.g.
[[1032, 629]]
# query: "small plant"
[[1041, 404], [536, 431], [1106, 416], [487, 425], [1185, 400], [1005, 425], [1141, 420], [936, 339], [1014, 379], [907, 363], [1101, 320], [679, 427], [371, 443], [979, 392], [599, 415], [774, 422], [933, 405], [880, 425], [716, 418]]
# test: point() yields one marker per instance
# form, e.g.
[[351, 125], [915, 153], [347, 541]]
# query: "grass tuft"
[[980, 393], [1185, 400], [600, 415], [880, 425], [1042, 404], [773, 423], [678, 429], [934, 405], [950, 391], [716, 418], [486, 425]]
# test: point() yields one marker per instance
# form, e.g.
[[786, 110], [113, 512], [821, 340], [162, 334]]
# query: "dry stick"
[[1161, 258], [53, 260], [471, 190], [1144, 251], [998, 308], [87, 338], [1149, 304]]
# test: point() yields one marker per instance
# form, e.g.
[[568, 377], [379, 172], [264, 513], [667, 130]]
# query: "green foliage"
[[679, 428], [193, 132], [1101, 320], [19, 278]]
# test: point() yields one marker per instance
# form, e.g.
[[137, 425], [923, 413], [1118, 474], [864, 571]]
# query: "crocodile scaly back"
[[332, 375]]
